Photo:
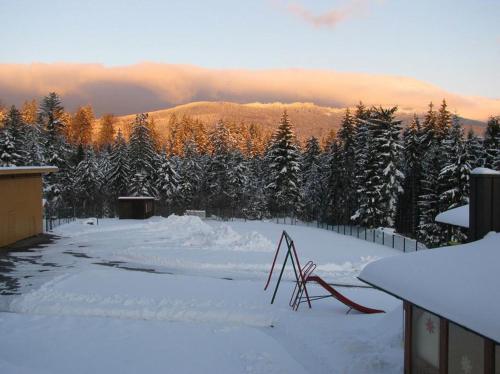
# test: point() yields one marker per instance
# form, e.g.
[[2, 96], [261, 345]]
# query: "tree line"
[[372, 172]]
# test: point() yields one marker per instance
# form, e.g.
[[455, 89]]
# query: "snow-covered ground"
[[183, 295]]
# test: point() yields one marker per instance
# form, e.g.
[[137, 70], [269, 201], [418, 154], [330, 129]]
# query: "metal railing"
[[377, 235], [57, 217]]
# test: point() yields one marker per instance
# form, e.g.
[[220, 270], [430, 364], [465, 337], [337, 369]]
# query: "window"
[[425, 342], [465, 351]]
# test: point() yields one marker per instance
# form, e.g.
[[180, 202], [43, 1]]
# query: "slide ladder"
[[303, 276]]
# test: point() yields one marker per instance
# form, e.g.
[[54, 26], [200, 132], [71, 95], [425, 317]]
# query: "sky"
[[453, 44]]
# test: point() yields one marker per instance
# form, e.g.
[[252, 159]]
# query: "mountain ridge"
[[308, 118]]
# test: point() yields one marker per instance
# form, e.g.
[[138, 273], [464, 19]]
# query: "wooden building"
[[21, 211], [451, 295], [136, 207]]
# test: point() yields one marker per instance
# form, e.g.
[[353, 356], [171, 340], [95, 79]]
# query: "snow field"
[[189, 295]]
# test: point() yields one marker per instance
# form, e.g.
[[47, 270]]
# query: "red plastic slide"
[[342, 298]]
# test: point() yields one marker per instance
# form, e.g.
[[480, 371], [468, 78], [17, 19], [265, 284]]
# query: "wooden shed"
[[136, 207], [21, 211]]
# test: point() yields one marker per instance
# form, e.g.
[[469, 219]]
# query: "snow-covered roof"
[[456, 216], [136, 198], [485, 171], [12, 170], [459, 283]]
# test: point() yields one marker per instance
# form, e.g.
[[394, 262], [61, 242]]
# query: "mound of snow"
[[191, 231]]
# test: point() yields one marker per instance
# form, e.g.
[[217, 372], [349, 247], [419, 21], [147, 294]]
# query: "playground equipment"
[[303, 276]]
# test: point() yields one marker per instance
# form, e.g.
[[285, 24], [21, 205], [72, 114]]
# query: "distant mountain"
[[309, 119]]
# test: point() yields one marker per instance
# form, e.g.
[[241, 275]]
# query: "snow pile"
[[191, 231]]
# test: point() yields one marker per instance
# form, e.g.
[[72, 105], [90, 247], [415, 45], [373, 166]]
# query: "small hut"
[[136, 207]]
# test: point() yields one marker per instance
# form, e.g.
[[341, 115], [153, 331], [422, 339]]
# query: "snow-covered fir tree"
[[383, 176], [13, 140], [56, 149], [443, 121], [119, 174], [256, 204], [347, 160], [454, 174], [87, 185], [408, 215], [143, 159], [492, 144], [474, 149], [311, 183], [361, 137], [331, 178], [238, 175], [217, 183], [429, 128], [168, 182], [284, 179], [191, 176], [429, 231]]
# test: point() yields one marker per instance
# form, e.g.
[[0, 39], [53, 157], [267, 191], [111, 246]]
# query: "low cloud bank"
[[151, 86]]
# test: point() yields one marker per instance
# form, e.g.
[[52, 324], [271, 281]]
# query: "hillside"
[[309, 119]]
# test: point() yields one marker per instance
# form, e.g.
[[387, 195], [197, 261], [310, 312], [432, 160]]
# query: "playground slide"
[[342, 298]]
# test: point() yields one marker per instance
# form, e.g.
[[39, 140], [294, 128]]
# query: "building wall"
[[20, 207]]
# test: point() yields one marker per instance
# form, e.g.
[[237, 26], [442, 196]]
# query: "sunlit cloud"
[[152, 86], [331, 17]]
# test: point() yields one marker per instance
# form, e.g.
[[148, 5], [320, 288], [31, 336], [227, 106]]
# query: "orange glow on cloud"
[[151, 86]]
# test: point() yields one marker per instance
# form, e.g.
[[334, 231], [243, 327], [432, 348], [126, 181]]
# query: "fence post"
[[350, 230], [416, 245], [404, 244], [383, 238], [365, 233], [374, 236], [392, 241]]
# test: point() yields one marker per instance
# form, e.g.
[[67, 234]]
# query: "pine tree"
[[429, 128], [143, 158], [454, 175], [347, 177], [331, 178], [383, 176], [81, 126], [256, 205], [408, 216], [118, 177], [443, 121], [29, 112], [283, 160], [34, 145], [474, 149], [238, 177], [492, 144], [50, 114], [429, 231], [361, 141], [168, 183], [87, 183], [191, 176], [13, 140], [56, 149], [218, 185], [106, 132], [311, 186]]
